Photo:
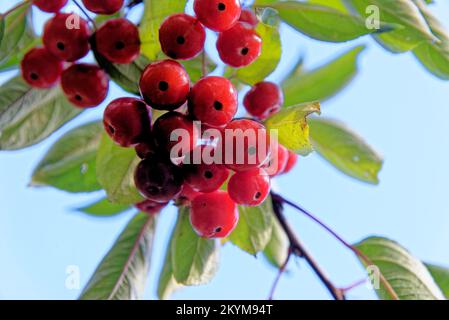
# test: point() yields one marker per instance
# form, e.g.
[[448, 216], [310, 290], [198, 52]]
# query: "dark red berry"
[[85, 85], [188, 194], [150, 206], [165, 85], [217, 15], [107, 7], [263, 100], [40, 68], [291, 162], [159, 180], [205, 178], [145, 149], [176, 134], [66, 36], [182, 36], [213, 215], [239, 46], [248, 16], [50, 6], [213, 101], [118, 41], [127, 121], [246, 145], [278, 159], [249, 188]]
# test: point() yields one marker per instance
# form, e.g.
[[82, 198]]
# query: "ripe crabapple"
[[66, 36], [145, 149], [182, 36], [248, 16], [263, 100], [50, 6], [127, 121], [217, 15], [40, 68], [239, 46], [188, 194], [249, 188], [213, 101], [205, 177], [278, 159], [165, 85], [106, 7], [291, 162], [213, 215], [118, 41], [150, 206], [85, 85]]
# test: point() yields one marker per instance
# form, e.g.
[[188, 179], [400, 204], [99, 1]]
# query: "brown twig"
[[279, 275], [299, 250]]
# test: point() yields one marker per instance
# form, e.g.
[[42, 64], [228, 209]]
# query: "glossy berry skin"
[[145, 149], [182, 36], [187, 194], [107, 7], [249, 188], [50, 6], [127, 121], [85, 85], [248, 16], [158, 180], [66, 36], [278, 159], [213, 215], [263, 100], [165, 85], [245, 145], [239, 46], [118, 41], [166, 125], [40, 69], [213, 101], [217, 15], [291, 162], [205, 178], [150, 207]]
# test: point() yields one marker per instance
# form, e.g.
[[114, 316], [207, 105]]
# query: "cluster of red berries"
[[67, 38]]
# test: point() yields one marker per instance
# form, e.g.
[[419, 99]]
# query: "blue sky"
[[393, 103]]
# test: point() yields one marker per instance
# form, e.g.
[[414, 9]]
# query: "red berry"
[[182, 36], [118, 41], [214, 215], [40, 68], [145, 149], [150, 206], [85, 85], [291, 162], [278, 159], [239, 46], [158, 180], [188, 194], [176, 143], [248, 16], [127, 121], [217, 15], [50, 6], [213, 101], [165, 85], [107, 7], [205, 178], [264, 99], [249, 188], [246, 145], [66, 36]]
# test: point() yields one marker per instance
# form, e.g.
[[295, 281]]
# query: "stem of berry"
[[279, 275], [203, 63], [298, 249], [85, 14], [356, 251]]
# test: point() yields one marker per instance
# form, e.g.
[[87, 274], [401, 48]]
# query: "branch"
[[298, 249], [85, 14]]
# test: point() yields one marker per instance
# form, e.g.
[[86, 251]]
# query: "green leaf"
[[115, 172], [407, 276], [14, 27], [434, 56], [321, 22], [345, 150], [268, 30], [2, 27], [336, 4], [122, 273], [441, 277], [104, 208], [253, 231], [413, 31], [324, 82], [155, 12], [70, 163], [28, 116], [291, 126], [195, 65], [276, 251], [194, 259]]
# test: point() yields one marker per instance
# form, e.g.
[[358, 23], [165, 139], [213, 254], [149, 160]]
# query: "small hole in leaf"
[[163, 86]]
